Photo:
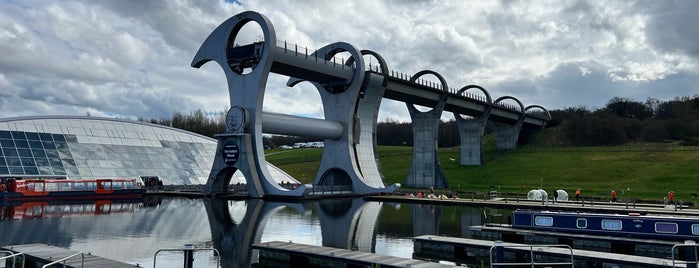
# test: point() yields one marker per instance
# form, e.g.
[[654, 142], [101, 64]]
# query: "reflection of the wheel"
[[236, 225]]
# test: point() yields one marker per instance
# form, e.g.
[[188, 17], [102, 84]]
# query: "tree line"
[[624, 120], [620, 121]]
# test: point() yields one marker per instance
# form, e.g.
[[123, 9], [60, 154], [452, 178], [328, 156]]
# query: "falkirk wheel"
[[345, 161], [351, 97]]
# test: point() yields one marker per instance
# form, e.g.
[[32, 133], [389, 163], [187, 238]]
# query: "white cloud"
[[131, 58]]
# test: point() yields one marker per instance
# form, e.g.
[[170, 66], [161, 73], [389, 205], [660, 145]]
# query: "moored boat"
[[37, 189], [663, 227]]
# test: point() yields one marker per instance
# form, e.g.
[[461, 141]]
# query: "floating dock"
[[287, 254], [37, 255], [464, 249]]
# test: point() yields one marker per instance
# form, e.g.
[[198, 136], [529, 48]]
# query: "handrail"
[[531, 252], [13, 256], [155, 256], [695, 261], [82, 262]]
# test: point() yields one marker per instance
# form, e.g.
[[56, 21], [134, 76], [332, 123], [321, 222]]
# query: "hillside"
[[636, 172]]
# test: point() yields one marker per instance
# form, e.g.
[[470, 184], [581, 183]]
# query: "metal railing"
[[82, 261], [330, 189], [185, 250], [533, 263], [693, 247], [13, 256]]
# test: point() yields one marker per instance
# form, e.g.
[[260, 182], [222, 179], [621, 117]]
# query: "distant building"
[[84, 147]]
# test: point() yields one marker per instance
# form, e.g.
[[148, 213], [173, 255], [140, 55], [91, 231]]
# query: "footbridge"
[[351, 92]]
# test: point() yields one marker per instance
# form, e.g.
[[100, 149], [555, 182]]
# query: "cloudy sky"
[[120, 58]]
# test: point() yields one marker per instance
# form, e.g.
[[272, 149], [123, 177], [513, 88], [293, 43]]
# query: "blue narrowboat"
[[624, 225]]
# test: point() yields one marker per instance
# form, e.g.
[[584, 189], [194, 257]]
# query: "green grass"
[[635, 172]]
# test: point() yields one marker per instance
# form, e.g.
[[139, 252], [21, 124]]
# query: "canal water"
[[134, 231]]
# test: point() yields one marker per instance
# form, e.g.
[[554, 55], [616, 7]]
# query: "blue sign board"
[[230, 153]]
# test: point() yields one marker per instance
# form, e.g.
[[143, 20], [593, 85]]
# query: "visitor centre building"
[[86, 147]]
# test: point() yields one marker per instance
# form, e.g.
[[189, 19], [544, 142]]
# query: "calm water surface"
[[133, 232]]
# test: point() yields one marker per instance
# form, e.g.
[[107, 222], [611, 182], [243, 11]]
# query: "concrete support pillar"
[[506, 136], [426, 170], [471, 132]]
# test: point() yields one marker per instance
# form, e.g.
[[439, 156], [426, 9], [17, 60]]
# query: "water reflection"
[[134, 234]]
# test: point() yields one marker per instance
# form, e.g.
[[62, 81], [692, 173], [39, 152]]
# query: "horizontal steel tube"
[[285, 124]]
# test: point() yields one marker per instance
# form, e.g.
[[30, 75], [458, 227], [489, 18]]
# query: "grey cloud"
[[672, 26]]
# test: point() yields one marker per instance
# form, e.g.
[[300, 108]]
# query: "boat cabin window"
[[128, 185], [614, 225], [78, 186], [64, 186], [51, 187], [38, 187], [30, 186], [695, 229], [543, 221], [90, 186], [106, 185], [581, 223], [117, 185], [666, 227]]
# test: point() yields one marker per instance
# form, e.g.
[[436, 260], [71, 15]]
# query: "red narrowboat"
[[39, 189]]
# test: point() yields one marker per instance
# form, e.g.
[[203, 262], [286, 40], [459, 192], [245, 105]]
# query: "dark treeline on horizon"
[[619, 122]]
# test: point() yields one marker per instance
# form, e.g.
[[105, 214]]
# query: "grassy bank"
[[635, 172]]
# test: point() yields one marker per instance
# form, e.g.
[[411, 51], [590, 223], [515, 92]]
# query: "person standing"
[[613, 196], [671, 197], [577, 194], [555, 196]]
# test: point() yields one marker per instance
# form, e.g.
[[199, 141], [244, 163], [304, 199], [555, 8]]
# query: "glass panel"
[[45, 136], [55, 162], [25, 153], [18, 135], [28, 162], [695, 229], [7, 143], [21, 144], [543, 221], [614, 225], [5, 135], [52, 154], [32, 136], [2, 162], [59, 171], [31, 170], [49, 145], [13, 161], [10, 152], [4, 170], [58, 137], [38, 153], [16, 170], [581, 223], [666, 227], [71, 138], [90, 185], [45, 170], [36, 145]]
